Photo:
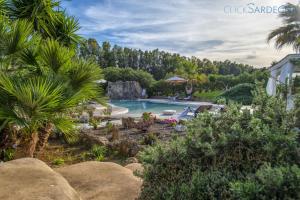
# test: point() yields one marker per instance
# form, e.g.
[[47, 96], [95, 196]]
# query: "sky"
[[213, 29]]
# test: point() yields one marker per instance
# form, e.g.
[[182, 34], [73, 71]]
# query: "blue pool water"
[[138, 107]]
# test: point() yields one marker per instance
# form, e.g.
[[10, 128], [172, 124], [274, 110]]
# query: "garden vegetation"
[[41, 76], [232, 155]]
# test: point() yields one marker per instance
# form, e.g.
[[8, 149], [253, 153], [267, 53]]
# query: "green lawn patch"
[[207, 96]]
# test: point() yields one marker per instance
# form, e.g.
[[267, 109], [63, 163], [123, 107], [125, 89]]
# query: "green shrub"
[[241, 93], [94, 122], [8, 154], [146, 116], [58, 161], [98, 152], [114, 74], [163, 88], [269, 182], [223, 156], [150, 139], [296, 85]]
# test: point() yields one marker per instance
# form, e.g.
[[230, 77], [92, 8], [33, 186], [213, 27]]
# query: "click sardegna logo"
[[252, 8]]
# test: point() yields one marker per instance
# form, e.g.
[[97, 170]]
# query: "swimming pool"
[[137, 107]]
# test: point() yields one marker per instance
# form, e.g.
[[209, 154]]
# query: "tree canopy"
[[158, 63]]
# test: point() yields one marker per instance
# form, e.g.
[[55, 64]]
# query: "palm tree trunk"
[[44, 136], [32, 144]]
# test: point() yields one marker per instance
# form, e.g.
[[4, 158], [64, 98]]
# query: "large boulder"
[[102, 181], [135, 168], [124, 90], [31, 179]]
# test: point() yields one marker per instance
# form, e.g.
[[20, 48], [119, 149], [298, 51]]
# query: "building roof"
[[284, 60]]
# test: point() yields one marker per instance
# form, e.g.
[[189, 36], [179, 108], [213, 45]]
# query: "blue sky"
[[214, 29]]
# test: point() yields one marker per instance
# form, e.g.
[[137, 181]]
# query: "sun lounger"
[[169, 112], [173, 98], [190, 113]]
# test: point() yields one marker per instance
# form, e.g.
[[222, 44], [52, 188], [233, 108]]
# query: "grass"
[[58, 161], [207, 96], [98, 152]]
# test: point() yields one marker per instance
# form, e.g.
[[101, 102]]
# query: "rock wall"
[[124, 90]]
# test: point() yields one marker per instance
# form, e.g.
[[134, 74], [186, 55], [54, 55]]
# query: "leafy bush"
[[58, 161], [296, 86], [8, 154], [98, 152], [241, 93], [94, 122], [150, 139], [222, 82], [269, 182], [163, 88], [114, 74], [224, 156], [146, 116]]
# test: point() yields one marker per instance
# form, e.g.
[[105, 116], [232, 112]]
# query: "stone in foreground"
[[102, 181], [135, 168], [31, 179]]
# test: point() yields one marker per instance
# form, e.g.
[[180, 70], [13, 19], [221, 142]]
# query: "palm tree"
[[40, 13], [41, 81], [65, 30], [15, 38], [46, 19], [31, 103], [289, 33], [78, 77], [3, 7]]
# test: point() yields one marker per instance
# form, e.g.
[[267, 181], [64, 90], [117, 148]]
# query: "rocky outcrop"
[[125, 147], [131, 160], [124, 90], [88, 137], [135, 168], [31, 179], [102, 181]]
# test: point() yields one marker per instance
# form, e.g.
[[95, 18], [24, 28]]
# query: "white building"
[[283, 73]]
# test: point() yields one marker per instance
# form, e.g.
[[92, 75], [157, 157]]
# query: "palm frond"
[[65, 30], [66, 127], [83, 76], [288, 34], [3, 7], [17, 38], [39, 12], [55, 56], [34, 100]]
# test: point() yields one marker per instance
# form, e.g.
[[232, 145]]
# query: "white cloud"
[[190, 27]]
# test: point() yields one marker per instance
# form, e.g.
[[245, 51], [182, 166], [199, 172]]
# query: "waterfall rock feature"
[[124, 90]]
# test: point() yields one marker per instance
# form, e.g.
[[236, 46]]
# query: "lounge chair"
[[188, 113], [169, 112], [203, 108], [173, 98]]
